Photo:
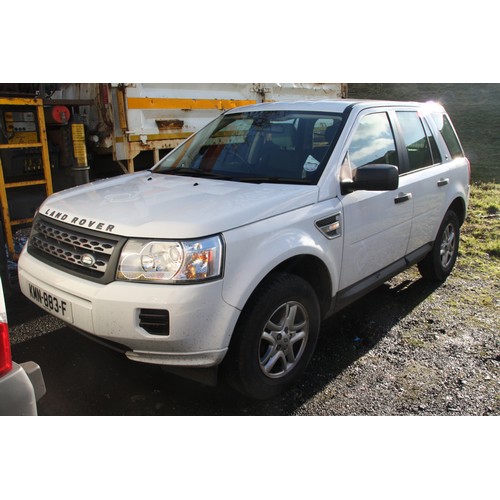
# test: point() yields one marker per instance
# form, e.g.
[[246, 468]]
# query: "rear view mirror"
[[376, 177]]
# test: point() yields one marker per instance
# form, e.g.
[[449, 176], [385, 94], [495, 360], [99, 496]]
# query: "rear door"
[[425, 175], [377, 223]]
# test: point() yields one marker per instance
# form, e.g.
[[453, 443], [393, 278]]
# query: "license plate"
[[51, 303]]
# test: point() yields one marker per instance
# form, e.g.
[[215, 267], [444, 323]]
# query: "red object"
[[60, 114], [5, 353], [104, 93]]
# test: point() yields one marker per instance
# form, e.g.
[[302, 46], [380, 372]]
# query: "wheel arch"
[[242, 367], [459, 207], [311, 269]]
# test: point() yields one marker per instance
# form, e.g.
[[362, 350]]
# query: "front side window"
[[372, 143], [264, 146], [415, 139]]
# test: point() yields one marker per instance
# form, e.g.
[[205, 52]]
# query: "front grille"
[[82, 252], [155, 321]]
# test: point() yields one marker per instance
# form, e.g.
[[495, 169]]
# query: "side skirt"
[[354, 292]]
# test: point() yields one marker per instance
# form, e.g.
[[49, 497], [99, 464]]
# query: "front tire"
[[438, 264], [275, 337]]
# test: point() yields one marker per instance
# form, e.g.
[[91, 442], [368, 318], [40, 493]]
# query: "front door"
[[377, 224]]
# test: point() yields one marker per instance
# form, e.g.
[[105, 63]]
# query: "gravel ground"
[[408, 348]]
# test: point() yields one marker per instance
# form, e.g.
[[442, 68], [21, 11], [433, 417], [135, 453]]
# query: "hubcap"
[[447, 246], [283, 339]]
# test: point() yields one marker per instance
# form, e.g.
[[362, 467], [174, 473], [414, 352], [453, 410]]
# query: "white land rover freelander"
[[235, 246]]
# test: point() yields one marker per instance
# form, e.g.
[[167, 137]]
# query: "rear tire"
[[438, 264], [275, 337]]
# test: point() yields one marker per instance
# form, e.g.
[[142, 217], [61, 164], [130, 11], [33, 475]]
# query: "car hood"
[[166, 206]]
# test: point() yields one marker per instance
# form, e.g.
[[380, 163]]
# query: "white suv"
[[234, 247]]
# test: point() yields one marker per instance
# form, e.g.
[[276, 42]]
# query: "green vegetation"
[[413, 340], [417, 380], [480, 248]]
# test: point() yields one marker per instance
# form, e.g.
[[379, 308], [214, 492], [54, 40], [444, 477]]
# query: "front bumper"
[[201, 322]]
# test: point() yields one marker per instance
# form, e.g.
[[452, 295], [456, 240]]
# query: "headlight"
[[171, 261]]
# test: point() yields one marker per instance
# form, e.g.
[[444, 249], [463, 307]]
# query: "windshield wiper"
[[273, 180], [194, 172]]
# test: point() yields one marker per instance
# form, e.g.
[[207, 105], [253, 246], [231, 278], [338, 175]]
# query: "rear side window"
[[415, 138], [436, 155], [449, 135]]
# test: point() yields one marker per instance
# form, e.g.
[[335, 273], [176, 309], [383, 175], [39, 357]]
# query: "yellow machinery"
[[23, 128]]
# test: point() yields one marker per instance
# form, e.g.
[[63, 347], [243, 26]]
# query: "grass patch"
[[413, 341], [480, 238], [417, 380]]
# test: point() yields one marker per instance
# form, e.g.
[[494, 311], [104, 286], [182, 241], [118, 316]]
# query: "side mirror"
[[376, 177]]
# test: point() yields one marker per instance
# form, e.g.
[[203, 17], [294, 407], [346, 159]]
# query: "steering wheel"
[[239, 157]]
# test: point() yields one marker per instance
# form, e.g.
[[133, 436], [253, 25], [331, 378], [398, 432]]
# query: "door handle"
[[402, 197], [443, 182]]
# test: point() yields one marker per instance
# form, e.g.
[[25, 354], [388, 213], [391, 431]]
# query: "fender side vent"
[[330, 226], [155, 321]]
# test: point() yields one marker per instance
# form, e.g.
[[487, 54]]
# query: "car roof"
[[329, 105]]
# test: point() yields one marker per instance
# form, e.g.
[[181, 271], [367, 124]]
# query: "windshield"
[[264, 146]]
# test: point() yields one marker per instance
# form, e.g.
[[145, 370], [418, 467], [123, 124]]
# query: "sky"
[[227, 41]]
